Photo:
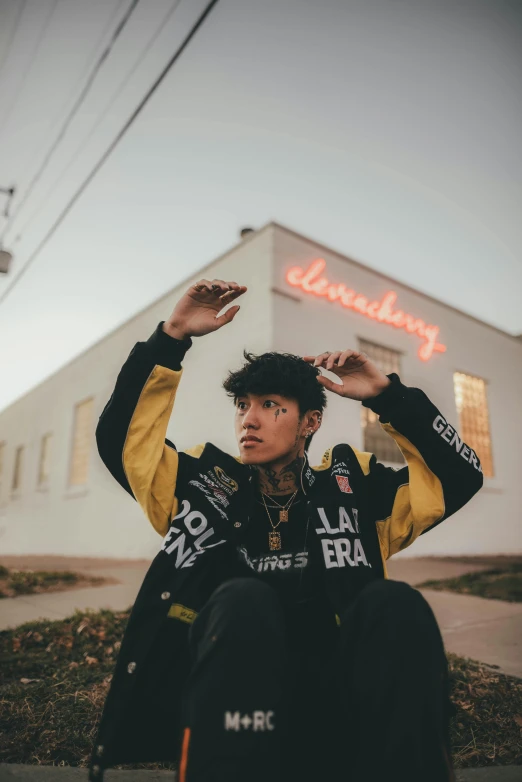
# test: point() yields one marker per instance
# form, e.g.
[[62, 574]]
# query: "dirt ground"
[[491, 560]]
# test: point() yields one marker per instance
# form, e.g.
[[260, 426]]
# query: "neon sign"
[[310, 281]]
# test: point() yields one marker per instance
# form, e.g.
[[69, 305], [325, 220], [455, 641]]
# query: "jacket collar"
[[307, 476], [240, 471]]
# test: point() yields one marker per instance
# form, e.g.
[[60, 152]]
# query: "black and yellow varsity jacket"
[[362, 512]]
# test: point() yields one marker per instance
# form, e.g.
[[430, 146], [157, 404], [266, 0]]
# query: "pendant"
[[274, 541], [283, 515]]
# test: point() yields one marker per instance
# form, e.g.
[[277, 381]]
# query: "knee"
[[396, 612], [249, 591], [389, 592], [240, 613], [395, 599], [245, 599]]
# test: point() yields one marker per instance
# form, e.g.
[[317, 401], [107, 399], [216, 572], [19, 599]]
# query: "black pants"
[[366, 701]]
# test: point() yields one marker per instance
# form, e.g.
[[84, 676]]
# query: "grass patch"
[[497, 584], [29, 582], [55, 676]]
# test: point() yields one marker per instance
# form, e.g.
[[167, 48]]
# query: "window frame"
[[18, 466], [462, 433], [383, 438], [43, 484], [73, 489]]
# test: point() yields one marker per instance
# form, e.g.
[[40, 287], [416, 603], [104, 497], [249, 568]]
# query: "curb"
[[15, 771]]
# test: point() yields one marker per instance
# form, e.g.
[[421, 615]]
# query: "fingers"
[[202, 285], [329, 359], [227, 316], [332, 359], [226, 291], [232, 294], [351, 355], [325, 360], [317, 360], [330, 385]]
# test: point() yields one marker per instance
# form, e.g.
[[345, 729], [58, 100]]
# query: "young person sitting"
[[267, 641]]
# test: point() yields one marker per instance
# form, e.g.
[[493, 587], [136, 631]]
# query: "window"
[[472, 407], [375, 439], [44, 465], [81, 445], [17, 473]]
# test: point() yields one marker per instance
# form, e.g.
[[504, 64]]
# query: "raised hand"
[[195, 314], [360, 377]]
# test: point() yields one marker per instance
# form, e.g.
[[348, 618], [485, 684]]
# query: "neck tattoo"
[[282, 480]]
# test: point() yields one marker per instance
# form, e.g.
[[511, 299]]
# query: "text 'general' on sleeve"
[[442, 472]]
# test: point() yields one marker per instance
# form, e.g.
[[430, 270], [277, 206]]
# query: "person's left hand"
[[360, 377]]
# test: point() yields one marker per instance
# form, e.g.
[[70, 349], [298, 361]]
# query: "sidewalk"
[[59, 605], [10, 772], [489, 631], [486, 630]]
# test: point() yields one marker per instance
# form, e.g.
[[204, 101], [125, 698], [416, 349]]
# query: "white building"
[[56, 496]]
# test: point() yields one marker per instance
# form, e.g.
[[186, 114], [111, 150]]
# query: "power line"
[[121, 86], [72, 93], [83, 94], [21, 9], [7, 114], [193, 30]]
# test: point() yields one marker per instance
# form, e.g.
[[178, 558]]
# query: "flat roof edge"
[[248, 238]]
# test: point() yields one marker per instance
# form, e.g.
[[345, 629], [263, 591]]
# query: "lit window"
[[81, 445], [44, 466], [472, 407], [375, 439], [17, 473]]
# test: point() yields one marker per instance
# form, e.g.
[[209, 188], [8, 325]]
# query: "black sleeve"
[[130, 434], [442, 472]]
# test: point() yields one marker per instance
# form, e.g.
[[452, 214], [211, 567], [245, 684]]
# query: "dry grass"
[[501, 583], [29, 582], [487, 728], [55, 676]]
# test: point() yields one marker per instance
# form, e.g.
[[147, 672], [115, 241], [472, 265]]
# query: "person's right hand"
[[195, 313]]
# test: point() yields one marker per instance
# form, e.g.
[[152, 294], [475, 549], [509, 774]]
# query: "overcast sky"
[[387, 129]]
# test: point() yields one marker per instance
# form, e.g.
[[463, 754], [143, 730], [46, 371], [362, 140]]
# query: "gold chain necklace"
[[274, 537], [283, 513]]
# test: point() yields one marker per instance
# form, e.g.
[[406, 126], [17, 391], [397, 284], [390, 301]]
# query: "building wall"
[[100, 519], [306, 324]]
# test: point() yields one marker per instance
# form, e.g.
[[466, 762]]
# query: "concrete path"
[[486, 630], [415, 570], [59, 605], [10, 772]]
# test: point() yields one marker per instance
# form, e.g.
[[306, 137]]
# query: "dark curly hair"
[[278, 373]]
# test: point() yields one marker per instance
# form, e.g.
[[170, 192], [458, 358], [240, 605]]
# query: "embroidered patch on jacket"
[[184, 614], [340, 469], [221, 475], [344, 484], [310, 476]]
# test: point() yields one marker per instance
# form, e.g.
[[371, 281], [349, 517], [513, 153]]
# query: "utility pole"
[[8, 191], [5, 256]]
